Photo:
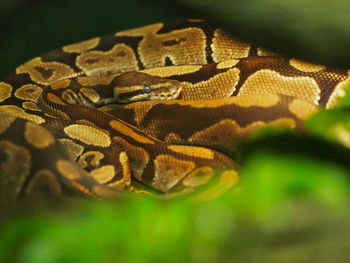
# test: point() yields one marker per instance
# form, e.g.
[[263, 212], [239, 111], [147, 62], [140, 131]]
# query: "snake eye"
[[146, 89]]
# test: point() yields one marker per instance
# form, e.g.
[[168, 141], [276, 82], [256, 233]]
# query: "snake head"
[[138, 86]]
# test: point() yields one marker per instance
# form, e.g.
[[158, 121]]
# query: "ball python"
[[158, 107]]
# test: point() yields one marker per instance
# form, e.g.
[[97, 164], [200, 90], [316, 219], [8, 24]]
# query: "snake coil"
[[158, 107]]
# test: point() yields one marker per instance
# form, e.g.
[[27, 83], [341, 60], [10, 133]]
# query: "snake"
[[158, 109]]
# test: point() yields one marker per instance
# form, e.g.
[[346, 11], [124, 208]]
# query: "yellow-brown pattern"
[[57, 132]]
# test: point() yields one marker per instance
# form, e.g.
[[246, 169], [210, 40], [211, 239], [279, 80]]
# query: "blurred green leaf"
[[334, 124], [272, 188]]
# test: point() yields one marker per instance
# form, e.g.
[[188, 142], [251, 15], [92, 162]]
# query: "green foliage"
[[333, 125], [274, 191]]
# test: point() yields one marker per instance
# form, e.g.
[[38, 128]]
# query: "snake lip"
[[167, 93]]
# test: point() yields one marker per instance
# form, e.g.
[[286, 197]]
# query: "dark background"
[[31, 28], [317, 31]]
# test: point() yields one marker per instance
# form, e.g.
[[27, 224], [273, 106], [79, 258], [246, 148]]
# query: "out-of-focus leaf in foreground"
[[287, 202], [333, 125]]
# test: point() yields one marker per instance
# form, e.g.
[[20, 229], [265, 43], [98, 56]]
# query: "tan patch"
[[220, 86], [119, 59], [228, 179], [73, 149], [82, 46], [68, 170], [29, 92], [88, 135], [15, 111], [53, 98], [46, 73], [226, 47], [52, 111], [227, 64], [70, 96], [167, 71], [198, 177], [43, 179], [219, 133], [338, 92], [62, 84], [287, 123], [193, 151], [302, 109], [50, 116], [15, 166], [91, 158], [138, 157], [126, 180], [38, 136], [89, 123], [5, 91], [169, 171], [82, 188], [91, 94], [28, 105], [5, 122], [124, 161], [124, 129], [267, 100], [265, 53], [224, 132], [155, 48], [271, 82], [103, 174], [173, 138], [140, 109], [95, 80], [104, 191], [304, 66]]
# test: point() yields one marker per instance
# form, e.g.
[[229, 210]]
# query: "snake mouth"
[[168, 92], [131, 96]]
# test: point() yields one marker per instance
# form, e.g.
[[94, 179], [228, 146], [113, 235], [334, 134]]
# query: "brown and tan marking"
[[217, 92]]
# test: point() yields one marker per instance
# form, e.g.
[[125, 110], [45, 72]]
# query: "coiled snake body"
[[184, 95]]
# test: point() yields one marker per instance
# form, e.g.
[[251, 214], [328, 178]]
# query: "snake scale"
[[158, 107]]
